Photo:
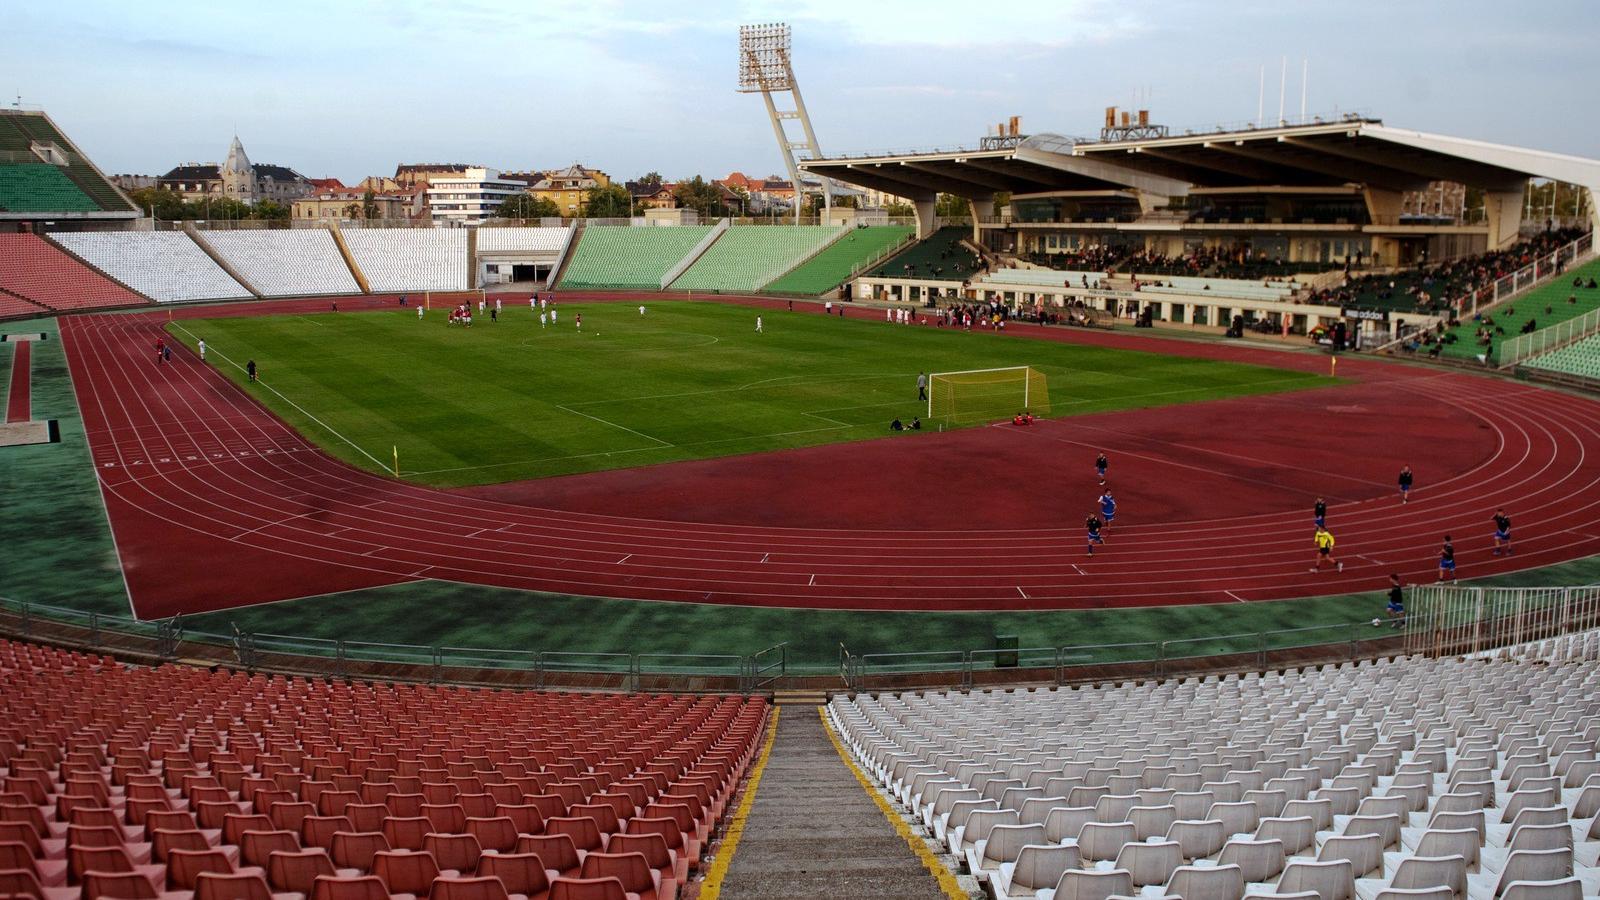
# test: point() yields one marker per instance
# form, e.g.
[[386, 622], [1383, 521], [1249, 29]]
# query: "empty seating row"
[[165, 265], [840, 260], [621, 256], [1042, 277], [939, 257], [395, 260], [746, 257], [34, 270], [1580, 358], [12, 306], [40, 187], [497, 239], [132, 782], [1477, 779], [286, 263]]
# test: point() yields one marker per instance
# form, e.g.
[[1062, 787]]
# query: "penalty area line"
[[321, 424], [615, 425]]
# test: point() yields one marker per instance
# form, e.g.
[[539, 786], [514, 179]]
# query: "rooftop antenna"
[[1305, 74], [1283, 84]]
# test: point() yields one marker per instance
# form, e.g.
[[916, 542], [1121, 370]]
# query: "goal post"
[[977, 394]]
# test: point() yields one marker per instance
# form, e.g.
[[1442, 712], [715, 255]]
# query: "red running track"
[[19, 398], [215, 503]]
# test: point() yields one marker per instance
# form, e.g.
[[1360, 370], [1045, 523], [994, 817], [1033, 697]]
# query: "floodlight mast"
[[764, 68]]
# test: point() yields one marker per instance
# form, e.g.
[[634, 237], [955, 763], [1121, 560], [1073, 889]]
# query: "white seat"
[[1036, 867], [1225, 882], [1077, 884], [1417, 873], [1001, 845]]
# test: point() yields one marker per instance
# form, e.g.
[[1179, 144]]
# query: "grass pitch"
[[687, 380]]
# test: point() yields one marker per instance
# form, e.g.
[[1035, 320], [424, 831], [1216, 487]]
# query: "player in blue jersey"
[[1447, 561], [1093, 524], [1502, 532], [1108, 508]]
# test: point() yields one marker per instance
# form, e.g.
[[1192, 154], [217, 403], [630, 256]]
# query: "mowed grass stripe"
[[688, 380]]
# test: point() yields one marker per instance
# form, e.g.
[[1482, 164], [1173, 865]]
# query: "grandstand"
[[941, 257], [746, 257], [285, 263], [42, 174], [133, 782], [839, 260], [1478, 777], [620, 256], [410, 259], [33, 270], [166, 266], [1549, 304], [497, 239]]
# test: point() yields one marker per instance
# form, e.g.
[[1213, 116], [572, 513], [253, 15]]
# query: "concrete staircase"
[[814, 832]]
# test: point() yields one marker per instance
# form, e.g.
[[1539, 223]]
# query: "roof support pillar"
[[1504, 211], [982, 205], [925, 206]]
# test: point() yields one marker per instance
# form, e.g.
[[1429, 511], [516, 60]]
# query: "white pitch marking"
[[1235, 596], [1076, 569], [624, 559], [813, 581], [764, 556], [1023, 593]]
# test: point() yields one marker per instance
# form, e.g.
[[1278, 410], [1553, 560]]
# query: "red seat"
[[296, 872], [288, 816], [118, 886], [23, 883], [335, 887], [445, 818], [318, 831], [404, 805], [236, 824], [453, 851], [107, 859], [587, 889], [629, 868], [236, 886], [685, 846], [526, 817], [406, 833], [604, 816], [184, 866], [255, 846], [523, 874], [656, 853], [366, 816], [353, 850], [23, 833], [15, 855], [496, 834], [405, 871], [559, 854], [468, 889], [584, 831]]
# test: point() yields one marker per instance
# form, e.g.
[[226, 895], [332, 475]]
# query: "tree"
[[951, 206], [217, 209], [742, 198], [271, 211], [369, 204], [651, 180], [158, 202], [898, 210], [702, 196], [527, 206], [608, 201], [352, 210]]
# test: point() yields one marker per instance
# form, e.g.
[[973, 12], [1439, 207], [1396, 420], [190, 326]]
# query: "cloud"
[[918, 23]]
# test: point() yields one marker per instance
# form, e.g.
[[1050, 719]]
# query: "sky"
[[348, 88]]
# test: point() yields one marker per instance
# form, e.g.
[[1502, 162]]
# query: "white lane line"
[[1235, 596], [1076, 569], [764, 556], [625, 559], [813, 581], [1023, 593]]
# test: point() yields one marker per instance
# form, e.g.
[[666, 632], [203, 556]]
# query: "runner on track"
[[1094, 525], [1447, 560], [1502, 532], [1324, 539], [1405, 484], [1108, 508], [1100, 463], [1320, 512]]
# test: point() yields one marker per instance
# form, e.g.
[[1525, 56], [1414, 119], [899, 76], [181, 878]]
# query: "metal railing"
[[1447, 620], [171, 640], [1519, 348], [1540, 270]]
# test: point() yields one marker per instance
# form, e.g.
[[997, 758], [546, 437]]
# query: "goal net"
[[980, 394]]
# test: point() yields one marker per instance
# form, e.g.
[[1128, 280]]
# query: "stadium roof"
[[1361, 152], [48, 177]]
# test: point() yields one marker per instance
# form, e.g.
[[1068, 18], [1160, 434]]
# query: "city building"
[[412, 174], [566, 188], [652, 195], [236, 178], [340, 202], [470, 197]]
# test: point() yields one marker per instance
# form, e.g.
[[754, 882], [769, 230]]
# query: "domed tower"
[[238, 175]]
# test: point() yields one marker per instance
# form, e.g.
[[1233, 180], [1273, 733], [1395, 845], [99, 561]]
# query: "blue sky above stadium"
[[348, 88]]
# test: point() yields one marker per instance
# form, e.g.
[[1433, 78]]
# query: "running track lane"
[[19, 399], [216, 503]]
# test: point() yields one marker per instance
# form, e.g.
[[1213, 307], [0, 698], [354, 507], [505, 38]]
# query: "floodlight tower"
[[764, 68]]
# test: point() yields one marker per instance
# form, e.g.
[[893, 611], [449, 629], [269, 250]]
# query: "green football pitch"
[[687, 380]]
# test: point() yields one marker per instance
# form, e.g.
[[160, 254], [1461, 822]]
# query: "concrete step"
[[814, 832]]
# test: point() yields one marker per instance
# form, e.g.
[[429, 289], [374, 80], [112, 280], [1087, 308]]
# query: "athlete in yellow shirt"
[[1325, 543]]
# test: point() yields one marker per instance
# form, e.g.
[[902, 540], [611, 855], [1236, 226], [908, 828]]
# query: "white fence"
[[1541, 269], [1446, 620], [1524, 346]]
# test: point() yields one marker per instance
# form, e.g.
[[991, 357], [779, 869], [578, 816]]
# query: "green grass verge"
[[510, 401]]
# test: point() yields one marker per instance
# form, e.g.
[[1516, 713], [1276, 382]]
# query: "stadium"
[[1113, 516]]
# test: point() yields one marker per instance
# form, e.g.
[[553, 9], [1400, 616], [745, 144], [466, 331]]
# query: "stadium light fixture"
[[765, 68]]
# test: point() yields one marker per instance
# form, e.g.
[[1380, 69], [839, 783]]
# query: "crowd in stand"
[[1444, 287]]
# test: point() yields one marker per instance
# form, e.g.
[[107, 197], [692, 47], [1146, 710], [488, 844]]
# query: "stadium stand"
[[12, 306], [1353, 781], [1549, 304], [135, 782], [496, 239], [940, 257], [40, 187], [286, 263], [746, 257], [839, 260], [166, 266], [1581, 358], [34, 270], [410, 259], [620, 256], [20, 130]]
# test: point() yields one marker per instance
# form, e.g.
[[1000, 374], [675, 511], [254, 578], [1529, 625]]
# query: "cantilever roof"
[[1361, 152]]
